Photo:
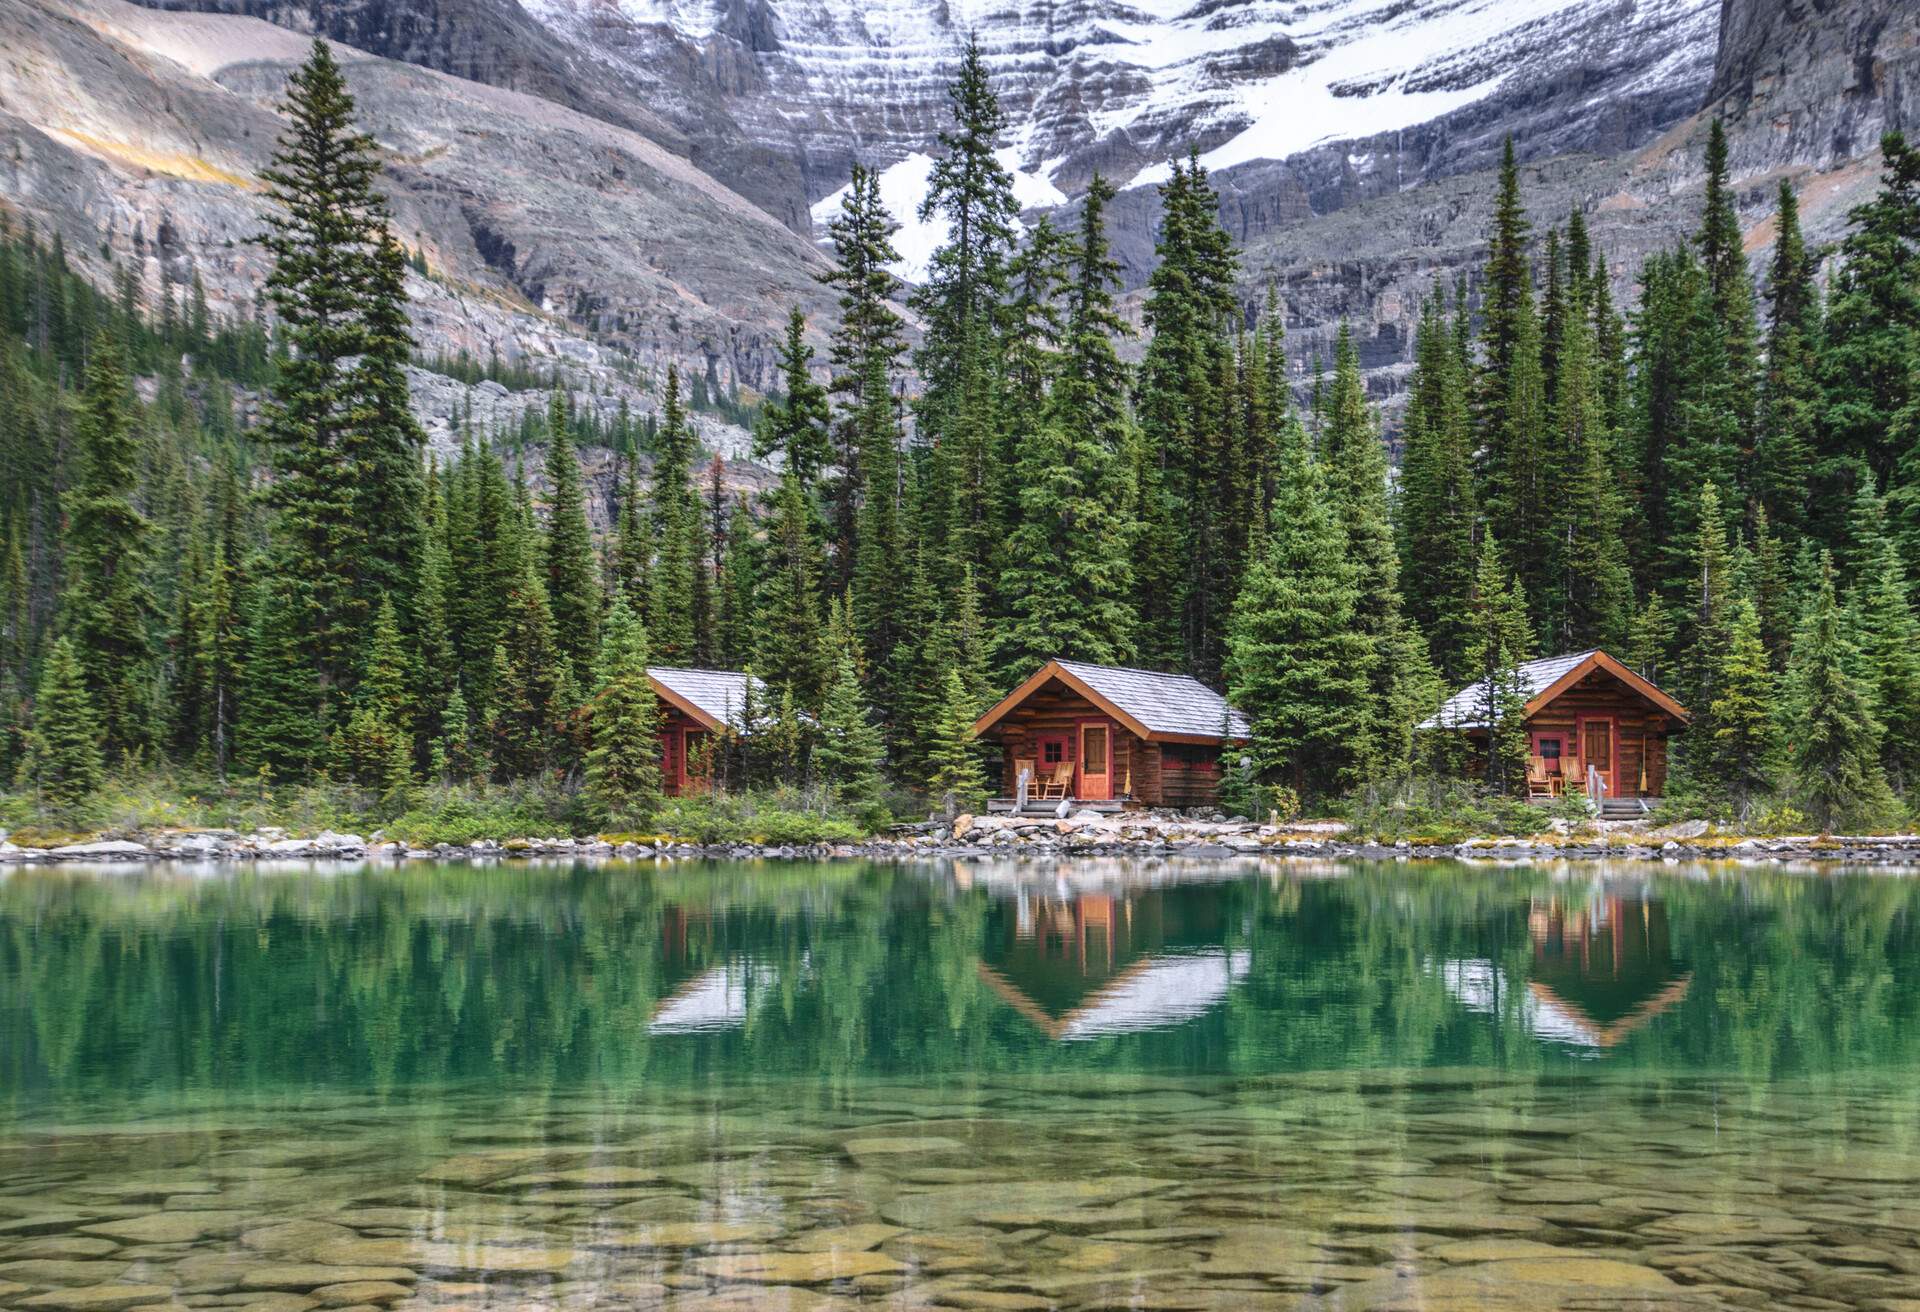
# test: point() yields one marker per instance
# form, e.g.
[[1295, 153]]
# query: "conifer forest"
[[1716, 478]]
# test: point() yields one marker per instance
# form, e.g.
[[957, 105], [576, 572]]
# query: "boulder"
[[109, 850]]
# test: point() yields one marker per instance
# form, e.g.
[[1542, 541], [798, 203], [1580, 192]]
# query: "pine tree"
[[63, 762], [796, 423], [1833, 737], [279, 727], [1502, 640], [325, 220], [954, 773], [960, 306], [1590, 589], [385, 442], [527, 672], [623, 764], [1887, 634], [677, 534], [1437, 504], [1790, 396], [1723, 255], [865, 353], [632, 548], [109, 611], [1067, 582], [788, 649], [572, 570], [850, 752], [1184, 472], [1297, 665], [1743, 757], [1395, 666]]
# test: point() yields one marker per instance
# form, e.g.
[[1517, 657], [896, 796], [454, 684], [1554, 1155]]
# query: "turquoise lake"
[[1083, 1085]]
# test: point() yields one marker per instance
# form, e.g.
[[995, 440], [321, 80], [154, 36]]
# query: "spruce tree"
[[789, 625], [325, 221], [1833, 737], [850, 753], [1297, 664], [1887, 635], [1437, 504], [572, 569], [1723, 255], [109, 610], [1743, 757], [527, 678], [279, 728], [1590, 586], [385, 442], [623, 764], [1395, 665], [63, 761], [1502, 640], [677, 535], [1067, 582], [796, 422], [1790, 437], [954, 774]]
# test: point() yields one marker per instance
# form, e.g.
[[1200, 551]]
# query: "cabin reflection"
[[1087, 965], [1601, 968]]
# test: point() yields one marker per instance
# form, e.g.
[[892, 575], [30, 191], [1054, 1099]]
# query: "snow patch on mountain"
[[904, 185]]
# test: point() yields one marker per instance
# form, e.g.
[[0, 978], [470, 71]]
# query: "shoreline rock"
[[1142, 835]]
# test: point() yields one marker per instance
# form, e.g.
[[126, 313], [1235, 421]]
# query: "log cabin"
[[1111, 738], [1587, 716], [694, 706]]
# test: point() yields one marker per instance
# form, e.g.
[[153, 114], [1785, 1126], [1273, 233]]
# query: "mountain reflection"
[[621, 976]]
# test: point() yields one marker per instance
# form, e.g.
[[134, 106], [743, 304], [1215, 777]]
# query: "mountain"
[[548, 235]]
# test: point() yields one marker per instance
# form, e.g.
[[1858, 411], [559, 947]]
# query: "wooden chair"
[[1056, 784], [1032, 769], [1540, 783]]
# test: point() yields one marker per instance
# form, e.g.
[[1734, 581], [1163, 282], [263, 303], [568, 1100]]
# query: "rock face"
[[549, 235]]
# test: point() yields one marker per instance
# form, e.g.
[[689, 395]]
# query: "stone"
[[845, 1239], [294, 1237], [58, 1246], [313, 1275], [170, 1227], [42, 1272], [350, 1292], [794, 1268], [687, 1234], [46, 1223], [107, 850], [860, 1149], [100, 1298], [988, 1300], [586, 1176]]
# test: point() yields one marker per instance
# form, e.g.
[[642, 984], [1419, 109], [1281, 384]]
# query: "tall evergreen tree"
[[63, 762], [1887, 635], [109, 610], [789, 651], [680, 544], [623, 764], [1833, 737], [1730, 292], [1790, 437], [572, 569], [1437, 504], [1297, 664], [850, 753], [1743, 756], [1502, 640], [796, 422]]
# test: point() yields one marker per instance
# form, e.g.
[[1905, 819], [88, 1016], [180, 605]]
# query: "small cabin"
[[695, 705], [1108, 737], [1588, 717]]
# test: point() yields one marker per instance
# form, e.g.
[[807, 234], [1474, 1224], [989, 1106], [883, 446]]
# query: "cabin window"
[[1052, 752], [1549, 749]]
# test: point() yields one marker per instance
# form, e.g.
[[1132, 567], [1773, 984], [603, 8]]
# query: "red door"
[[1096, 762], [1598, 751]]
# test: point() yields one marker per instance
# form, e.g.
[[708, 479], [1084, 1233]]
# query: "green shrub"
[[1439, 811], [780, 817]]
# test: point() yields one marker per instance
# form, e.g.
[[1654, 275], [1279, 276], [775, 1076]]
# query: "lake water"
[[1086, 1086]]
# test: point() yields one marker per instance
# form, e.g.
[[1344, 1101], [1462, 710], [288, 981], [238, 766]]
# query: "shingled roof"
[[1153, 705], [713, 697], [1538, 682]]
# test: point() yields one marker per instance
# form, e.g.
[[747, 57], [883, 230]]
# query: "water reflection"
[[1085, 965], [739, 1087]]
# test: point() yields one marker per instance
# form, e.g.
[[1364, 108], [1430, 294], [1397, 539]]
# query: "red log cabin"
[[1587, 716], [694, 706], [1109, 737]]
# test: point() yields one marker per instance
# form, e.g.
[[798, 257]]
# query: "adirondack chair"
[[1542, 784], [1026, 765], [1056, 784]]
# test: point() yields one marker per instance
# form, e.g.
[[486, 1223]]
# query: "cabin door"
[[1096, 762], [1598, 752]]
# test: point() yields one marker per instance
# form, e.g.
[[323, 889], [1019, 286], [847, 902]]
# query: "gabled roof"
[[1540, 682], [1156, 992], [1157, 707], [712, 697]]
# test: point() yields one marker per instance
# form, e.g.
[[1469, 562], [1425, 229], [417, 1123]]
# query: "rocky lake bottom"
[[1347, 1086]]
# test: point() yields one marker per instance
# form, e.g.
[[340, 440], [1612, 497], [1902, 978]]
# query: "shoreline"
[[1141, 836]]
